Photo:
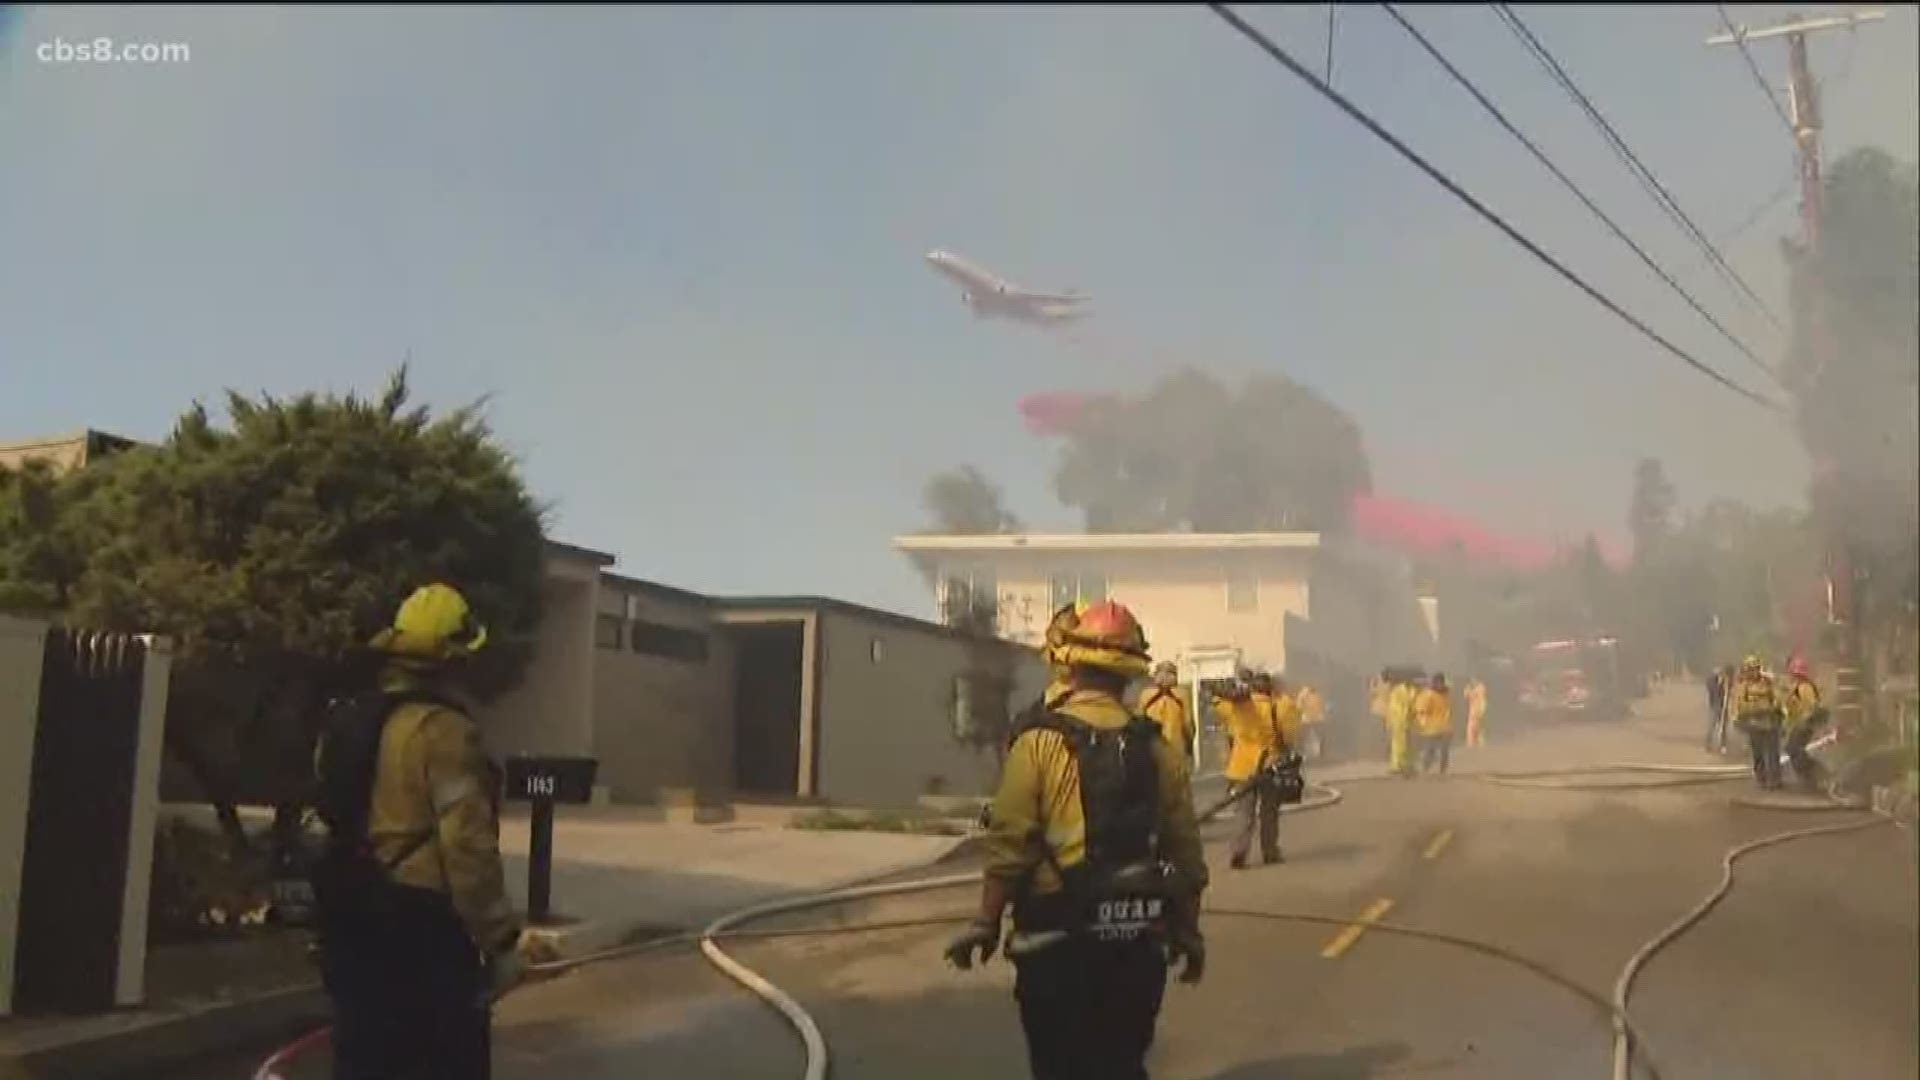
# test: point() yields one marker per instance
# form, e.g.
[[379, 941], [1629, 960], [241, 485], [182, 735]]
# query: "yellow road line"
[[1345, 938], [1438, 845]]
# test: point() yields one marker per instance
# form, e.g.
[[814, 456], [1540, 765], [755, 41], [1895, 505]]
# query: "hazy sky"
[[680, 248]]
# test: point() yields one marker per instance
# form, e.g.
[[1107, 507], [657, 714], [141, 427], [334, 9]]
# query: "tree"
[[1650, 514], [983, 702], [1192, 454], [269, 549], [37, 563], [1854, 366], [963, 502]]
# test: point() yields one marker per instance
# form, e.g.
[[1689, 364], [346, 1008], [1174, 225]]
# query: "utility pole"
[[1804, 110]]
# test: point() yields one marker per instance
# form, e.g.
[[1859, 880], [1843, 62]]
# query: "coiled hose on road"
[[1626, 1036]]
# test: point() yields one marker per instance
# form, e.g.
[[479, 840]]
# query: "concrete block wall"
[[21, 644]]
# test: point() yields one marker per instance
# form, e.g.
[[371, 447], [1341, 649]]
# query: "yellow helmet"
[[435, 623]]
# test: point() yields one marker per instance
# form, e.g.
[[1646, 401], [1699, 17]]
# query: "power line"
[[1658, 191], [1753, 66], [1540, 156], [1791, 185], [1353, 111]]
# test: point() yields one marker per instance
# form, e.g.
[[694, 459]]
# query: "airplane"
[[990, 295]]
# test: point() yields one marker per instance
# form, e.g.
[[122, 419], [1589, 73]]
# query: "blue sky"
[[680, 247]]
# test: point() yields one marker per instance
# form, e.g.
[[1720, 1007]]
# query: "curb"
[[171, 1040], [292, 1012]]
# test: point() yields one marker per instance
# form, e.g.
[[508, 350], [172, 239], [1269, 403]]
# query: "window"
[[1063, 589], [969, 597], [606, 631], [1243, 593], [963, 727], [1087, 586], [1093, 587], [876, 651], [668, 642]]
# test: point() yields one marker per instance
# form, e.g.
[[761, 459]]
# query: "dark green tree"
[[1855, 371], [271, 547], [1195, 455], [1650, 514]]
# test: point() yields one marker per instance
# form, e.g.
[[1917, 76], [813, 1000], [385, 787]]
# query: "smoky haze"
[[679, 247]]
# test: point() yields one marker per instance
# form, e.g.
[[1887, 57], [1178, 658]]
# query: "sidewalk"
[[618, 873], [621, 872]]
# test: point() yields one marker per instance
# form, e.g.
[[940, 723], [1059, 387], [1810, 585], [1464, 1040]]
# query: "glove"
[[982, 936], [1185, 945], [511, 968]]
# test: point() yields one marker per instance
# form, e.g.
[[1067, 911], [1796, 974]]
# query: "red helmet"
[[1110, 625]]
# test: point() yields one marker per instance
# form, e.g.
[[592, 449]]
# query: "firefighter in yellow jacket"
[[1401, 695], [1262, 725], [1755, 703], [1804, 717], [419, 946], [1161, 703], [1433, 716], [1313, 718], [1095, 927]]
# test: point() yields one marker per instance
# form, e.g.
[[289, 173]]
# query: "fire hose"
[[1626, 1036]]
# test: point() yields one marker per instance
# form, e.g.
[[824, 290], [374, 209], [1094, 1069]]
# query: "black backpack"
[[344, 881], [1119, 891]]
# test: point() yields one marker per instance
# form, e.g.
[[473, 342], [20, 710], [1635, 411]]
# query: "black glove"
[[1185, 944], [982, 936]]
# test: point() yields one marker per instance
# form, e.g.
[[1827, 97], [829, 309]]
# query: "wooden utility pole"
[[1804, 115]]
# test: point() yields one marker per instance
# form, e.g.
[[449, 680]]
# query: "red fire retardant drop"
[[1054, 413], [1426, 530], [1395, 523]]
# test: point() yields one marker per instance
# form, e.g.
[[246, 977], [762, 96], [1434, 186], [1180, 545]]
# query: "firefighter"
[[1433, 714], [1400, 699], [1264, 724], [1717, 682], [1313, 714], [1379, 690], [1755, 702], [1095, 926], [1805, 716], [417, 945], [1476, 695], [1161, 704]]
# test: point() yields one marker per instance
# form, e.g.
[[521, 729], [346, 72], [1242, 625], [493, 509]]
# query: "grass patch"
[[888, 821]]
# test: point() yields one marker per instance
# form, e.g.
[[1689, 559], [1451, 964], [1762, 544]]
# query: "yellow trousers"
[[1398, 758]]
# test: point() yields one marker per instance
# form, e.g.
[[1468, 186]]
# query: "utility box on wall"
[[92, 796]]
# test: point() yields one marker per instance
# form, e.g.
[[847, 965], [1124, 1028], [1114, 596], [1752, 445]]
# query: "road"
[[1807, 969]]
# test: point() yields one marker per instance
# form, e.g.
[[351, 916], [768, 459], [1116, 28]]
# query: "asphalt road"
[[1807, 970]]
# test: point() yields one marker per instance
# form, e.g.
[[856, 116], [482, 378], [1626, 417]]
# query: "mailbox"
[[557, 779], [544, 781]]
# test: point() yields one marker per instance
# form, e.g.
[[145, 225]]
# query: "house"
[[1210, 602], [684, 697], [64, 453], [797, 697]]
